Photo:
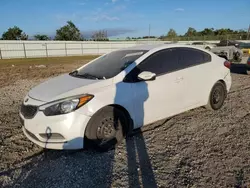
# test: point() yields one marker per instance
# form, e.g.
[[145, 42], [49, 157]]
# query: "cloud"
[[113, 1], [118, 31], [82, 3], [100, 14], [119, 8], [110, 31], [104, 17], [179, 9]]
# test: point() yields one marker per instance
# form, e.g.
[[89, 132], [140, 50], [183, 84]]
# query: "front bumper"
[[56, 132]]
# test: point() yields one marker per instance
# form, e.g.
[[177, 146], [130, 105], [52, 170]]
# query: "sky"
[[122, 18]]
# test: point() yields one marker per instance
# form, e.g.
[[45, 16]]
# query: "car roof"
[[143, 47], [150, 47]]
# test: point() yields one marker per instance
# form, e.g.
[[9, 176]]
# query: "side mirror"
[[146, 75]]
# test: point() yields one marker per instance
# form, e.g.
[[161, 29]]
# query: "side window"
[[161, 62], [206, 57], [191, 57]]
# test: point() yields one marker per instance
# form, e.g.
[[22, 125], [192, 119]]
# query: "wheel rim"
[[107, 129], [216, 97]]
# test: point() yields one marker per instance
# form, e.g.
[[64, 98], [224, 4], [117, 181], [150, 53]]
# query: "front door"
[[159, 98]]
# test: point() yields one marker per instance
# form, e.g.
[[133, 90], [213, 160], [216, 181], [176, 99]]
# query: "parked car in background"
[[205, 45], [229, 43], [245, 47], [248, 65], [101, 102], [230, 53]]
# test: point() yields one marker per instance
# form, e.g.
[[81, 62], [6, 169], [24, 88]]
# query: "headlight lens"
[[68, 106], [64, 106]]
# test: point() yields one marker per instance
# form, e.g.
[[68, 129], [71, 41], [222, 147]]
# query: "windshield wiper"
[[73, 73], [85, 75], [90, 76]]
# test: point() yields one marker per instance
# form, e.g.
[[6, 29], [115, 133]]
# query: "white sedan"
[[100, 103]]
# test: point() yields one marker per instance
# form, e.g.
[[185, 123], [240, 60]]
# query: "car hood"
[[65, 86]]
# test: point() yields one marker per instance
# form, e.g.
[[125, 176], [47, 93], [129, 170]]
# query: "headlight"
[[65, 106]]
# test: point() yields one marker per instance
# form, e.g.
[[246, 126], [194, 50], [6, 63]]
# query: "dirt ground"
[[199, 148]]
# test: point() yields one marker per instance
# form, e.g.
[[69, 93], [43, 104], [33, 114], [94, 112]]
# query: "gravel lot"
[[199, 148]]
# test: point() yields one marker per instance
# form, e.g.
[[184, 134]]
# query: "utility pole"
[[248, 32], [149, 28]]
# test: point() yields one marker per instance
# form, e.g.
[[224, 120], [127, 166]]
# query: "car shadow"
[[135, 143], [136, 146], [86, 168], [89, 168]]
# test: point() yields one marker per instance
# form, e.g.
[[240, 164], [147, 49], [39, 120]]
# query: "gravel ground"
[[199, 148]]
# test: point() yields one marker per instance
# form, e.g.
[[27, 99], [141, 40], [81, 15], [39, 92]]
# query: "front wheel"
[[217, 96], [106, 129]]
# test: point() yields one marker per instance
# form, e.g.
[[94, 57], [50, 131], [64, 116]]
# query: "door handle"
[[179, 79]]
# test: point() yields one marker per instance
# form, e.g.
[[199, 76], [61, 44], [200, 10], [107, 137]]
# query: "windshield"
[[109, 65]]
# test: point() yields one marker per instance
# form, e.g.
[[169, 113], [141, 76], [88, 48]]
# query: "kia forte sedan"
[[100, 103]]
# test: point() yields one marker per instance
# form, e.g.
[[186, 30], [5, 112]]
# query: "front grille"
[[28, 111]]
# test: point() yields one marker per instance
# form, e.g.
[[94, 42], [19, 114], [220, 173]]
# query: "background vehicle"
[[245, 47], [248, 66], [205, 45], [229, 43], [100, 103], [230, 53]]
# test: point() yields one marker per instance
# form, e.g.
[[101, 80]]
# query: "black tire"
[[208, 48], [248, 69], [237, 57], [217, 96], [106, 129]]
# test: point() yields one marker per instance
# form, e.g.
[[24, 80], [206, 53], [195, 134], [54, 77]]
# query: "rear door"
[[197, 74]]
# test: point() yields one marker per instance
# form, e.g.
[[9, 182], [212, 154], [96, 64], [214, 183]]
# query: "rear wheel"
[[208, 48], [217, 96], [248, 69], [106, 129]]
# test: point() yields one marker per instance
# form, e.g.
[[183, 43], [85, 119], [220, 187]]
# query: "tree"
[[100, 36], [41, 37], [190, 32], [68, 32], [14, 33], [171, 34], [207, 32], [224, 31]]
